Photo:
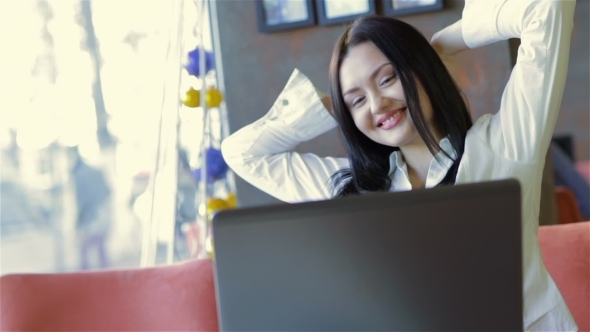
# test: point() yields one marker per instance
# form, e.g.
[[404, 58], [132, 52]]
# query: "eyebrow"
[[373, 74]]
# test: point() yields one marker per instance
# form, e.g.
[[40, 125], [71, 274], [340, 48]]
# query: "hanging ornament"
[[213, 97], [232, 201], [192, 98], [216, 166], [192, 66], [217, 204]]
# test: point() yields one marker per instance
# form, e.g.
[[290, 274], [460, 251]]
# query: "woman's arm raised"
[[262, 153], [523, 127]]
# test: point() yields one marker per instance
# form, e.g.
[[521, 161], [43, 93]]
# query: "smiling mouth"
[[391, 117]]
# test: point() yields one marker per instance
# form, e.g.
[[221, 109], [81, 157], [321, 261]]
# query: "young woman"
[[406, 125]]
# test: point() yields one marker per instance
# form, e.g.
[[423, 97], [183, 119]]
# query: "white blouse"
[[511, 143]]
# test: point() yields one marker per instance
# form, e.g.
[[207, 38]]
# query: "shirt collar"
[[439, 166]]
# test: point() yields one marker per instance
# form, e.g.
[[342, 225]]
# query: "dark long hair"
[[414, 60]]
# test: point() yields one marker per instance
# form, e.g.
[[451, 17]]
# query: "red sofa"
[[568, 210], [178, 297], [566, 253], [181, 297]]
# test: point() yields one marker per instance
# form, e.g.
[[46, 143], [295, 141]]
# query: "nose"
[[379, 104]]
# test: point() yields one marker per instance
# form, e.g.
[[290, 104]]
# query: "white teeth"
[[395, 115]]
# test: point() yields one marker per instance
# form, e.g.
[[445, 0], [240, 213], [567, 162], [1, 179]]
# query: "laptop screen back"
[[438, 259]]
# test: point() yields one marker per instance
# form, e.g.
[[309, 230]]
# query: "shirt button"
[[285, 102]]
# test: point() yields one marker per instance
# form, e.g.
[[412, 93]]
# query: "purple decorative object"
[[192, 67], [216, 166]]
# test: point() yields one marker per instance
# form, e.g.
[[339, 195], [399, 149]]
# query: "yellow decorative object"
[[192, 98], [231, 201], [213, 97], [216, 204]]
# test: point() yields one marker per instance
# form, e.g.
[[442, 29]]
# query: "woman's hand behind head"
[[447, 43]]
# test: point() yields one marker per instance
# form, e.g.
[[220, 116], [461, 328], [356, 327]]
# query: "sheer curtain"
[[88, 131]]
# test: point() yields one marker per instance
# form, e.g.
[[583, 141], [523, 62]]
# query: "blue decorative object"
[[192, 67], [216, 166]]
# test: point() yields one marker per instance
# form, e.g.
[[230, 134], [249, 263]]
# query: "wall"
[[574, 118], [257, 66]]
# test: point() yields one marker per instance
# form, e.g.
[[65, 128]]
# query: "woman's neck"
[[418, 163], [418, 158]]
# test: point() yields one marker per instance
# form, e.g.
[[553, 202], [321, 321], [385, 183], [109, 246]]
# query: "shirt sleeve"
[[262, 153], [531, 100]]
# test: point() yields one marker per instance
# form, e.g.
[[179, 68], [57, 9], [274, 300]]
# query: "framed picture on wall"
[[408, 7], [343, 11], [277, 15]]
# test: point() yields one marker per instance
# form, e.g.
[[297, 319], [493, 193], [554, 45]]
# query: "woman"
[[406, 126]]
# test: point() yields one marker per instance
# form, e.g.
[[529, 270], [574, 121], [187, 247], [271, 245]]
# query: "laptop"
[[441, 259]]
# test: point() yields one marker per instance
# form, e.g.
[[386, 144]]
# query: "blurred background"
[[97, 152], [100, 154]]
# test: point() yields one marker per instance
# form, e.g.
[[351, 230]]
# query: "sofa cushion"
[[566, 253], [178, 297]]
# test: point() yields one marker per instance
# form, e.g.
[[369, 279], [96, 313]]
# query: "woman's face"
[[375, 98]]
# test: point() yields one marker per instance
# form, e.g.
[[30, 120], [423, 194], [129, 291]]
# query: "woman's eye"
[[357, 101], [387, 80]]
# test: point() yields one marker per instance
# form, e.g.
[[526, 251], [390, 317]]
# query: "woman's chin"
[[396, 140]]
